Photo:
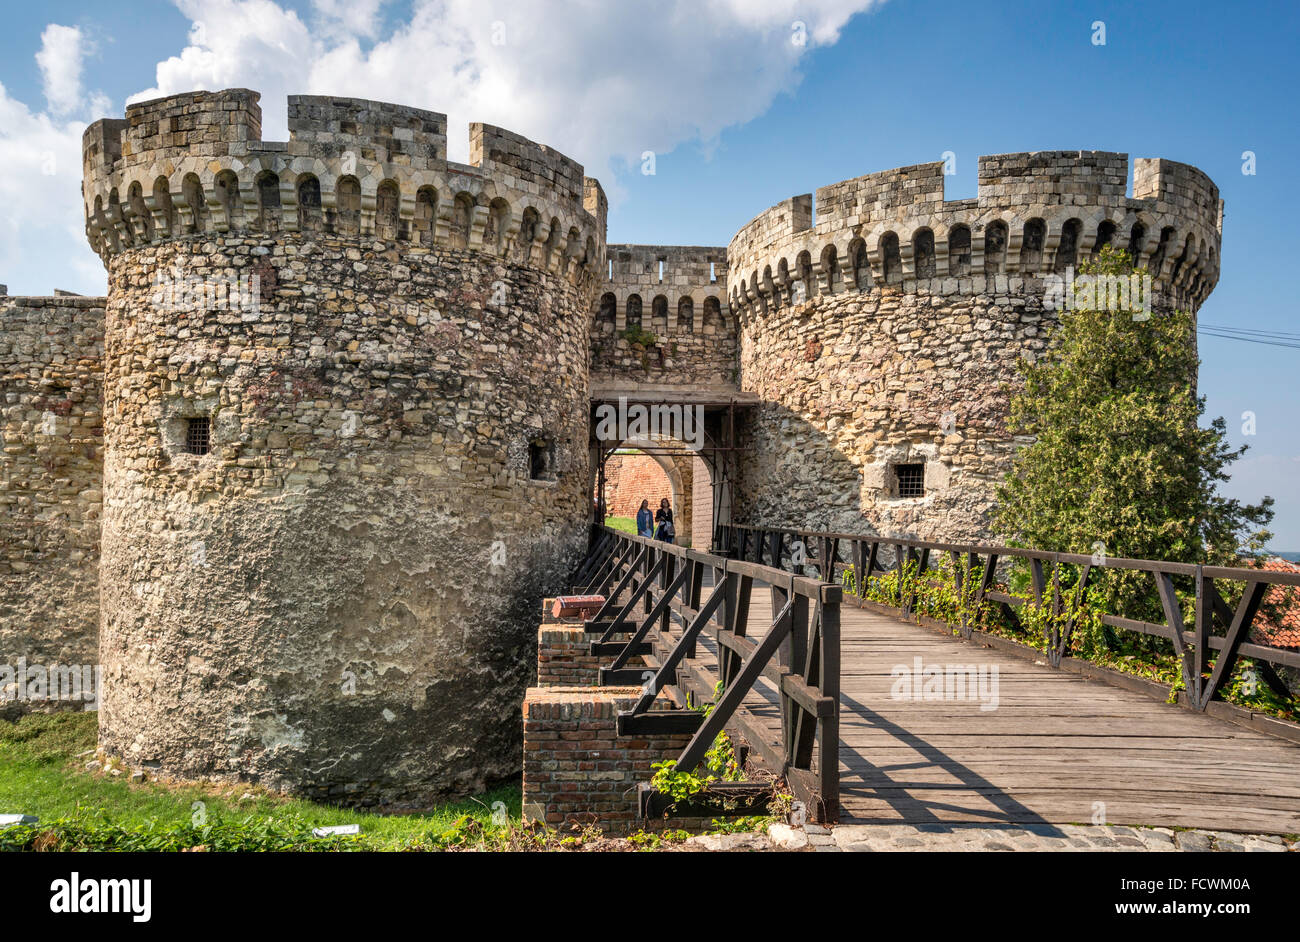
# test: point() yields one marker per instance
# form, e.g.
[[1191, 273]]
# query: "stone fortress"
[[299, 482]]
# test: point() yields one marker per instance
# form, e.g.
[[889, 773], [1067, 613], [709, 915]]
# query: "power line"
[[1292, 343], [1273, 334]]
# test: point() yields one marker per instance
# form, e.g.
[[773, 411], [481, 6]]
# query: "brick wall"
[[701, 506], [577, 770], [564, 657], [630, 479]]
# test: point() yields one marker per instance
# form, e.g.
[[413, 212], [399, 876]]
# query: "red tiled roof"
[[1283, 630]]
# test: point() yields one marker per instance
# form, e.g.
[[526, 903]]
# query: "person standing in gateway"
[[645, 521], [664, 518]]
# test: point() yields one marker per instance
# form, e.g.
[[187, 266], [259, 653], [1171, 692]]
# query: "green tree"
[[1120, 462]]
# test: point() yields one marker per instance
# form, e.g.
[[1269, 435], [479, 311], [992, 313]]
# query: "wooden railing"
[[871, 555], [657, 600]]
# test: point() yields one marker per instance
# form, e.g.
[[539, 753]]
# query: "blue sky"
[[740, 118]]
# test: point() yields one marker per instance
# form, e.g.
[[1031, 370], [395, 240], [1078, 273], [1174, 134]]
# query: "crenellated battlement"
[[1034, 214], [195, 164], [675, 294], [669, 286]]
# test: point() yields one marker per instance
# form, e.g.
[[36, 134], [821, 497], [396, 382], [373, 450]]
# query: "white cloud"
[[63, 49], [42, 234], [343, 17], [42, 230], [599, 81]]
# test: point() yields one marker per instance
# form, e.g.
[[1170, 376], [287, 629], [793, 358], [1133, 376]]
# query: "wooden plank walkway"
[[1057, 749]]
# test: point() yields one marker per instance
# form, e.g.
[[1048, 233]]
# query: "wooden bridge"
[[1005, 737]]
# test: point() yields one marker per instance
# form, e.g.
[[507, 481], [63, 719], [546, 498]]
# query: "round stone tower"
[[346, 446], [882, 339]]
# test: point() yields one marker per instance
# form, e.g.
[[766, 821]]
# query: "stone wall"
[[193, 163], [51, 461], [1034, 214], [854, 385], [677, 297], [359, 557]]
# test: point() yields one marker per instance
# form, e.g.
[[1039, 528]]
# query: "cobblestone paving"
[[1069, 837]]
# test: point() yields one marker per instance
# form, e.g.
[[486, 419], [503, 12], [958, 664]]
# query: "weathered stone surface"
[[51, 466], [339, 598], [888, 333], [676, 296]]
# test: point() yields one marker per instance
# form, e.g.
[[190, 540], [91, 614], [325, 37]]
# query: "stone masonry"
[[51, 472], [886, 334], [384, 354]]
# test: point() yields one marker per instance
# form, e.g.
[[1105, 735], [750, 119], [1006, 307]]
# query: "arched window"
[[1031, 248], [494, 232], [115, 213], [861, 265], [892, 258], [712, 314], [634, 311], [552, 249], [348, 196], [426, 216], [227, 189], [607, 315], [804, 263], [1068, 249], [309, 213], [527, 235], [162, 198], [783, 278], [135, 198], [686, 315], [831, 266], [268, 202], [659, 315], [1185, 259], [1137, 238], [192, 190], [995, 248], [959, 251], [1105, 236], [1162, 251], [388, 200], [462, 218], [573, 251], [923, 253]]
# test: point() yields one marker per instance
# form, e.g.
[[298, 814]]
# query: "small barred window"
[[198, 436], [911, 480]]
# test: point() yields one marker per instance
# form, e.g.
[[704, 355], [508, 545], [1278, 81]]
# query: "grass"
[[625, 524], [42, 773]]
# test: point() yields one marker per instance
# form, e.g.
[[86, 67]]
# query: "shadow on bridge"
[[866, 783]]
